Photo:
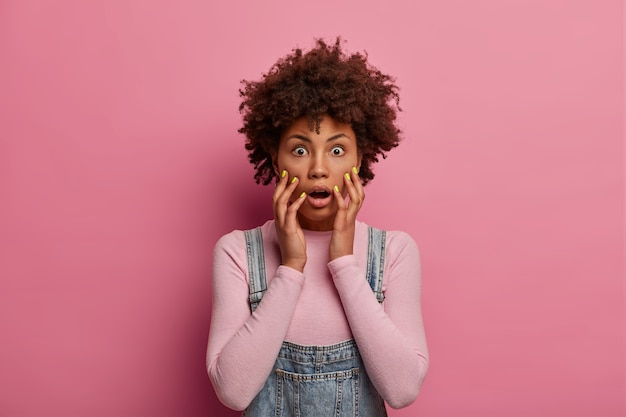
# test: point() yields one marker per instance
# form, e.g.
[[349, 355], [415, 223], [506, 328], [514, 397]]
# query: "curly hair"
[[323, 81]]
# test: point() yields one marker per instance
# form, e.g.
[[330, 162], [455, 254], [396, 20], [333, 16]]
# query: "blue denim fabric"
[[316, 381]]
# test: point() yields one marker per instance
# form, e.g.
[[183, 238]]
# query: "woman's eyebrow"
[[306, 139], [298, 136], [337, 136]]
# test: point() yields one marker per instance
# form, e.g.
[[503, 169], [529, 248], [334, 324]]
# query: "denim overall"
[[316, 381]]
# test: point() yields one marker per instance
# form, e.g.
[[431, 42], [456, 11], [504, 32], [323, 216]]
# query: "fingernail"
[[348, 176], [336, 189], [294, 179], [303, 194], [355, 170], [282, 174]]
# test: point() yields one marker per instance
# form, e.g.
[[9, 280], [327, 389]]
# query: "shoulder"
[[400, 240], [230, 256], [395, 239], [234, 242], [399, 245], [402, 258], [231, 242]]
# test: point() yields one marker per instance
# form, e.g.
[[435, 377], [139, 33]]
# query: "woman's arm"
[[390, 337], [243, 347]]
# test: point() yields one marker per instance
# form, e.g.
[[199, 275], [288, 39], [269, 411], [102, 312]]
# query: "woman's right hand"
[[288, 230]]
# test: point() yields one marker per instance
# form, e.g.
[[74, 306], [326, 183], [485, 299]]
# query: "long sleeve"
[[391, 336], [327, 304], [243, 347]]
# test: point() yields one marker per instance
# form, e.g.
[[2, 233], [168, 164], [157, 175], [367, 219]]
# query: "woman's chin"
[[317, 219]]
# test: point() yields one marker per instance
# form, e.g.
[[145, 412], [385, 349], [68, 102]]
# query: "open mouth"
[[319, 197], [319, 194]]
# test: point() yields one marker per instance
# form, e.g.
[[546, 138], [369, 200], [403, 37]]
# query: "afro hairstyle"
[[323, 81]]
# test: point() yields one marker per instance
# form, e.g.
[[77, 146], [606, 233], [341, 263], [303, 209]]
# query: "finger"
[[355, 197], [355, 191], [280, 185], [278, 191], [282, 199], [358, 184], [339, 198], [291, 219]]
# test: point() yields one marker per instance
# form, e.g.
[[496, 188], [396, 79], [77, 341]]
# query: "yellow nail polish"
[[355, 170], [294, 179], [303, 194], [336, 189], [282, 174], [348, 176]]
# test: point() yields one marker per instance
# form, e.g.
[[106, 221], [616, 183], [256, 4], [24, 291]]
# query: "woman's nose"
[[318, 168]]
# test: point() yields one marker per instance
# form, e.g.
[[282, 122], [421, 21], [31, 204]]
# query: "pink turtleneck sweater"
[[328, 303]]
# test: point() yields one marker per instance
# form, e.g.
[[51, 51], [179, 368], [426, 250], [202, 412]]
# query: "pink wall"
[[120, 166]]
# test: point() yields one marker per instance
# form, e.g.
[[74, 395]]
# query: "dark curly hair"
[[323, 81]]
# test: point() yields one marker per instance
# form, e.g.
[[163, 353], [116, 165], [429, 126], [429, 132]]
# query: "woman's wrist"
[[295, 264]]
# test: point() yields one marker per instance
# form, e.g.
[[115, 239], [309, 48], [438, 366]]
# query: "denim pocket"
[[323, 394]]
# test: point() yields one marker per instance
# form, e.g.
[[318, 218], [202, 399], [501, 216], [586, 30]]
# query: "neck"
[[323, 225]]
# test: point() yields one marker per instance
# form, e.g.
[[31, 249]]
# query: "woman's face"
[[319, 160]]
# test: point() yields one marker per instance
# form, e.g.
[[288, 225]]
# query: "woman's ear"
[[358, 162]]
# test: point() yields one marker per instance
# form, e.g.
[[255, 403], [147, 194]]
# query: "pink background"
[[120, 166]]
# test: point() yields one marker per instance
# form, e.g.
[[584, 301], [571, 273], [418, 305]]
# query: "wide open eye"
[[337, 151], [299, 151]]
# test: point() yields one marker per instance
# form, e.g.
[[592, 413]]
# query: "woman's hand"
[[342, 240], [288, 230]]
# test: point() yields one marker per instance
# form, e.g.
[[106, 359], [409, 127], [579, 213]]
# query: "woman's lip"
[[319, 188], [319, 202]]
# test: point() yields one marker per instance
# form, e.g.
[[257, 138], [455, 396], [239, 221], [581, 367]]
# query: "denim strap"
[[256, 263], [256, 266], [376, 260]]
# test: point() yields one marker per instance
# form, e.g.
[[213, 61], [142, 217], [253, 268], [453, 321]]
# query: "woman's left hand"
[[342, 240]]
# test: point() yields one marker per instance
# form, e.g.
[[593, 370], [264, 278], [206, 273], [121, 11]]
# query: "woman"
[[316, 313]]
